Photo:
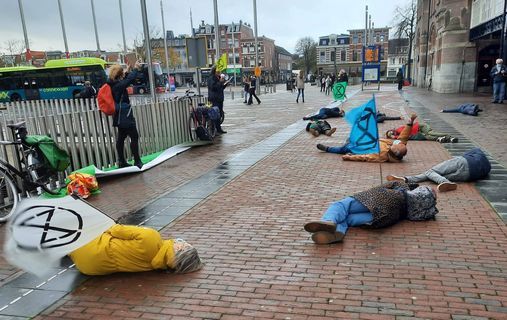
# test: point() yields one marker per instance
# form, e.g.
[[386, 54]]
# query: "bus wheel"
[[141, 91], [15, 97]]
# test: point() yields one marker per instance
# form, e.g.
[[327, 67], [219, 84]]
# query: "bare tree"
[[404, 24], [13, 48], [306, 49], [156, 41]]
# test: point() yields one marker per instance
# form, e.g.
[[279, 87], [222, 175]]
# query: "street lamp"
[[67, 55], [27, 45], [123, 32], [165, 45], [256, 45], [217, 32], [233, 53], [147, 43], [95, 27]]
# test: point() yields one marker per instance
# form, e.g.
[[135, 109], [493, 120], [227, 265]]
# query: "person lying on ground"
[[421, 132], [470, 109], [471, 166], [319, 127], [390, 150], [324, 113], [378, 207], [381, 117], [125, 248]]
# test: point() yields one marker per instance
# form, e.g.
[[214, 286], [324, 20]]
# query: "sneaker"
[[454, 140], [447, 186], [330, 132], [396, 178], [322, 147], [443, 139], [324, 237], [314, 132], [316, 226], [138, 164], [221, 131]]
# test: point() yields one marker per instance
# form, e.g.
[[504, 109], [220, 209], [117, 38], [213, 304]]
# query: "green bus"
[[58, 79]]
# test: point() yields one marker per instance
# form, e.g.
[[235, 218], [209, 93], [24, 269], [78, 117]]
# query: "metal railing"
[[88, 135]]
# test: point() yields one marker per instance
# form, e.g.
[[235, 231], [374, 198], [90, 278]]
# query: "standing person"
[[89, 91], [123, 118], [498, 73], [253, 86], [246, 88], [300, 84], [342, 76], [216, 86], [328, 85], [322, 83], [399, 79]]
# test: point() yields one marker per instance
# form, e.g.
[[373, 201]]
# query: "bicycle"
[[32, 177], [200, 124]]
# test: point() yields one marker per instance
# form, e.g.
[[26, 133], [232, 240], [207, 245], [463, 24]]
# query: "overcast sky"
[[285, 21]]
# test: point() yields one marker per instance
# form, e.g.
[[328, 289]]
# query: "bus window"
[[43, 80], [59, 79]]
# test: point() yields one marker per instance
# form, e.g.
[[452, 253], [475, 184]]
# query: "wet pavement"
[[243, 201]]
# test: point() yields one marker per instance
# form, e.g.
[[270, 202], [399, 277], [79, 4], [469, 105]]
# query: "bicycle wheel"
[[8, 196], [192, 125]]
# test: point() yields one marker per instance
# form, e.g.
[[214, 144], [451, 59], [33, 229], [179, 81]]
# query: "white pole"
[[217, 32], [122, 29], [95, 27], [256, 44], [165, 45], [25, 34], [233, 53], [67, 55], [146, 30]]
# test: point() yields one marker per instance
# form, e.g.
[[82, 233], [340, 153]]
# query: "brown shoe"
[[447, 186], [396, 178], [315, 226], [330, 132], [324, 237], [314, 132]]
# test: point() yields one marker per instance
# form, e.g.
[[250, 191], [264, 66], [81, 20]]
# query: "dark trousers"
[[134, 143], [400, 85], [301, 92], [252, 94]]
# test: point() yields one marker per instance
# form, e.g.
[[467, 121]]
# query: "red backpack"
[[105, 100]]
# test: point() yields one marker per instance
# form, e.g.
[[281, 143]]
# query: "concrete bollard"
[[232, 95], [265, 89], [274, 88]]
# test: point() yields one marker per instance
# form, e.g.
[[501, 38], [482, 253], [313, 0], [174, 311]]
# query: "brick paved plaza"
[[261, 264]]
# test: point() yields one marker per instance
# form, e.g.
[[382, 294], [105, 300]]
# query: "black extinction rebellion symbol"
[[340, 89], [366, 139], [52, 235]]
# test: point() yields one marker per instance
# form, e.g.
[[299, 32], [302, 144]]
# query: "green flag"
[[339, 90]]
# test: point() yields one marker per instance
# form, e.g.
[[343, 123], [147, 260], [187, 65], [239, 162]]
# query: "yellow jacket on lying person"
[[133, 249]]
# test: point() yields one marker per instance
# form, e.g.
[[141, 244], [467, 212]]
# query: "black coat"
[[215, 89], [123, 117]]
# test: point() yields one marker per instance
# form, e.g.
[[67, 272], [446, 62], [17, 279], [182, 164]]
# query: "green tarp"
[[56, 158]]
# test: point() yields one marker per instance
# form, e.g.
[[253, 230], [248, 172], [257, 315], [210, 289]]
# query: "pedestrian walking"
[[322, 84], [300, 84], [399, 79], [216, 86], [253, 86], [123, 118], [246, 88], [377, 207], [498, 74], [328, 85]]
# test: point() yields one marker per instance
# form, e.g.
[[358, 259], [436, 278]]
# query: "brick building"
[[457, 42], [283, 64], [330, 49], [267, 54]]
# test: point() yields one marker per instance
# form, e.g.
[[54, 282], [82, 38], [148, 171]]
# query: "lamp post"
[[95, 27], [217, 32], [257, 89], [234, 53], [165, 45], [123, 32], [67, 55], [146, 31], [27, 44]]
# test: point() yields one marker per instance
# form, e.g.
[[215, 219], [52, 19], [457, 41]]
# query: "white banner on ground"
[[167, 154], [42, 231]]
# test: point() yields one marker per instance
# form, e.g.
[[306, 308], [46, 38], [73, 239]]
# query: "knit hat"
[[421, 204]]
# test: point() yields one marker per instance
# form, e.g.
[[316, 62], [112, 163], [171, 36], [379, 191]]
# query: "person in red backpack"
[[123, 117]]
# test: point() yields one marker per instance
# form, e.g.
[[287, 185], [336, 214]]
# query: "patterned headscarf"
[[421, 204]]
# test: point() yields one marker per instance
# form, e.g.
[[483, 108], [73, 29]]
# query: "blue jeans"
[[347, 213], [340, 150], [498, 91], [301, 92]]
